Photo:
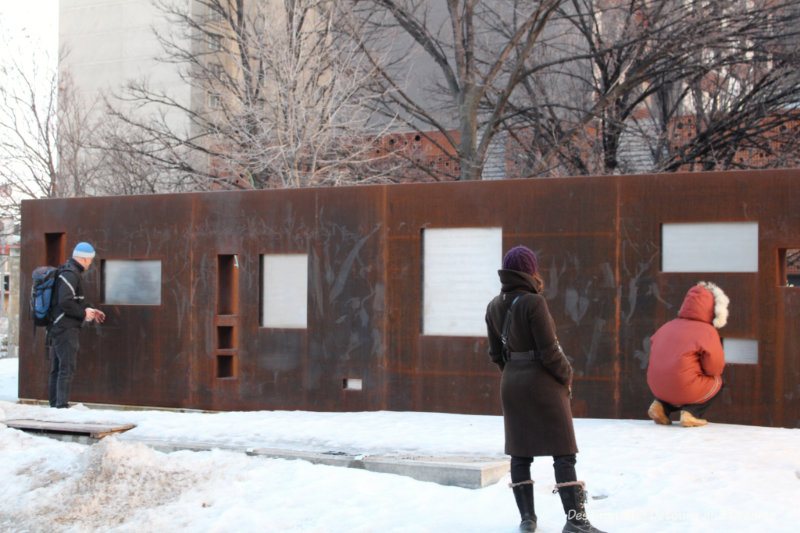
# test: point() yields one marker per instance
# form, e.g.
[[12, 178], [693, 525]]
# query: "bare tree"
[[82, 168], [42, 133], [118, 149], [468, 51], [639, 72], [27, 134], [276, 103], [738, 106]]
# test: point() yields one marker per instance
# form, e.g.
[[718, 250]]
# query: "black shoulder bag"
[[506, 325]]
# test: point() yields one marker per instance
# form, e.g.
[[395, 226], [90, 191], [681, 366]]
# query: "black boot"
[[573, 498], [524, 496]]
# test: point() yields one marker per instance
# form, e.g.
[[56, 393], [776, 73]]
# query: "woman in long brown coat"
[[535, 389]]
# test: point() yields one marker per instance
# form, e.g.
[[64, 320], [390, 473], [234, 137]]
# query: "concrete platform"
[[466, 472]]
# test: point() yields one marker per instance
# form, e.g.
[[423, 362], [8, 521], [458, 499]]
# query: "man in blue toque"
[[70, 311]]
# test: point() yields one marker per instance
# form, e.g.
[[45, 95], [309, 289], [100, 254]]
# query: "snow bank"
[[641, 476]]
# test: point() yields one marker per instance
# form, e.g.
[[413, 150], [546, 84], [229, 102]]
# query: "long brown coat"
[[535, 393]]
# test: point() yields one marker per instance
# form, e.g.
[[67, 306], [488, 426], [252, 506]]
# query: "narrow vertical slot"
[[227, 285], [789, 267], [54, 248]]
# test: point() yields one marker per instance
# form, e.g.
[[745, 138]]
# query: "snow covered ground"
[[642, 477]]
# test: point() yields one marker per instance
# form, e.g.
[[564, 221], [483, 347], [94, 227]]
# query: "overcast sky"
[[36, 18]]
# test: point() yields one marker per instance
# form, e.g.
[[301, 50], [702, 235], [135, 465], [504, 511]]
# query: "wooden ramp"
[[93, 430]]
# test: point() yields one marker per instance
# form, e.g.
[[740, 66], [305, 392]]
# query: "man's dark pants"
[[63, 360]]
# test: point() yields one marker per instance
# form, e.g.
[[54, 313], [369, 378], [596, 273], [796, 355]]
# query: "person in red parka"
[[686, 357]]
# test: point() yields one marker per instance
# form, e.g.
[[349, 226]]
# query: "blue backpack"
[[44, 279]]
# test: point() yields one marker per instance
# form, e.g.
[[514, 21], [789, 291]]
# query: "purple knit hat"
[[521, 259]]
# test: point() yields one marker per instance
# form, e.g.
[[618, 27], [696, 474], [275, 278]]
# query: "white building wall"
[[108, 43]]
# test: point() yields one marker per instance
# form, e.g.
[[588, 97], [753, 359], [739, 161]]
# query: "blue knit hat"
[[521, 259], [83, 249]]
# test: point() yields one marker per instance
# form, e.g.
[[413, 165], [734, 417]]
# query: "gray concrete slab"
[[458, 471], [467, 472]]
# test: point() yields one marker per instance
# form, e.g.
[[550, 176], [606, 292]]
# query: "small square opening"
[[352, 384], [225, 338], [225, 366]]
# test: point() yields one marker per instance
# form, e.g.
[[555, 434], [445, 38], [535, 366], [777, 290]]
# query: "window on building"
[[131, 282], [284, 290], [214, 101], [459, 278], [214, 15], [215, 43], [216, 70]]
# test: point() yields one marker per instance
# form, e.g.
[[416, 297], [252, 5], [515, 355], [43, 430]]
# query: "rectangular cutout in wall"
[[740, 351], [352, 384], [225, 366], [55, 253], [226, 339], [131, 282], [459, 278], [227, 284], [284, 290], [709, 247], [789, 267]]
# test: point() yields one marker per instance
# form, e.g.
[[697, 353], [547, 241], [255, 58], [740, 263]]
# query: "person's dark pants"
[[63, 360], [564, 466], [697, 410]]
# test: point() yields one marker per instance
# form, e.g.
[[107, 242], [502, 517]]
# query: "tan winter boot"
[[689, 421], [656, 412]]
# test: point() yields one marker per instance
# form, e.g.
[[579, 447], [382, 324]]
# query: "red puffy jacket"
[[686, 357]]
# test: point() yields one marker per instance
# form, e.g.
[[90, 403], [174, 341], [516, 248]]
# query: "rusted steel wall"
[[599, 246]]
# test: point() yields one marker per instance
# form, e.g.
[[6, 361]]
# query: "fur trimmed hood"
[[706, 302]]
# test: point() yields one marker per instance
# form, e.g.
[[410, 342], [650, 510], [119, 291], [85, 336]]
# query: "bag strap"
[[506, 326]]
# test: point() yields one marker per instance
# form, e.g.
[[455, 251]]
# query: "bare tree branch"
[[277, 102], [466, 51]]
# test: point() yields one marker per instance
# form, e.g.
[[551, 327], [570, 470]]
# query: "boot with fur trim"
[[523, 494], [573, 498]]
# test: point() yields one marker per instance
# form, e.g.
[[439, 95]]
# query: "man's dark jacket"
[[70, 305]]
